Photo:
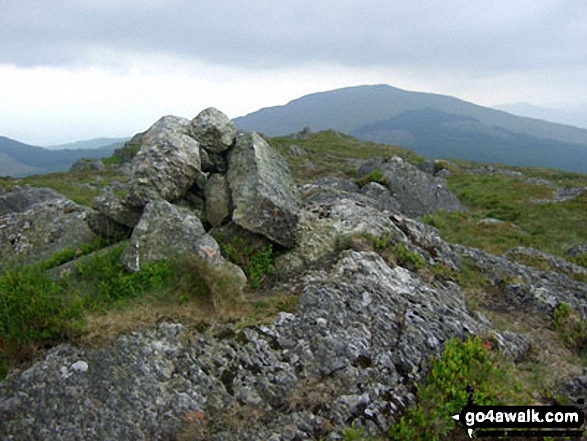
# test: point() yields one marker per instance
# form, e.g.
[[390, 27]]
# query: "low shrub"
[[255, 259], [571, 327], [444, 393]]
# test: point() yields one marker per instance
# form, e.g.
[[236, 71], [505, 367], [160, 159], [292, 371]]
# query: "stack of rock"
[[183, 165]]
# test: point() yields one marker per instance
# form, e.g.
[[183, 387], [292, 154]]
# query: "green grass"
[[37, 311], [70, 184], [552, 227], [328, 152], [255, 259], [374, 176]]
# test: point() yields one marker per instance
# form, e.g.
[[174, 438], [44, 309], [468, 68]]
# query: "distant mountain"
[[573, 116], [430, 124], [97, 143], [18, 159]]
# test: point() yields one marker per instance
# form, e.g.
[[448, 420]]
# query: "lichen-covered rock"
[[43, 229], [350, 354], [218, 204], [262, 190], [382, 195], [167, 163], [546, 262], [331, 216], [418, 192], [164, 170], [213, 130], [168, 126], [167, 231], [521, 286], [20, 199]]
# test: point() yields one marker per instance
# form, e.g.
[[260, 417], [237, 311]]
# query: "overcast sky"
[[79, 69]]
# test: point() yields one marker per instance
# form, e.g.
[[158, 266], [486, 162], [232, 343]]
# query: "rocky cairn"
[[183, 166]]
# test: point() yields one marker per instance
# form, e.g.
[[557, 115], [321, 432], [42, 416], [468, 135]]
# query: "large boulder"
[[214, 130], [418, 192], [46, 227], [263, 191], [117, 209], [167, 231], [20, 199], [167, 164]]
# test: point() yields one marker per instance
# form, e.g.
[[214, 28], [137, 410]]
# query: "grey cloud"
[[264, 33]]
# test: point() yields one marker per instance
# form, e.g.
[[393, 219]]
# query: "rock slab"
[[262, 189]]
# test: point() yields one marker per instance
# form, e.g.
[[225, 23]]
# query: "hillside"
[[430, 124], [23, 159], [306, 287], [97, 143]]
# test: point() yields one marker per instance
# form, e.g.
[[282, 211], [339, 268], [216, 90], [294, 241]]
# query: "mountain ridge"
[[352, 110], [20, 159]]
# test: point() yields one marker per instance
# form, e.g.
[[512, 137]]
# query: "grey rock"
[[382, 195], [515, 346], [444, 173], [166, 231], [574, 392], [490, 221], [425, 241], [115, 208], [331, 217], [521, 286], [213, 130], [351, 354], [20, 199], [552, 263], [338, 184], [46, 227], [296, 150], [167, 163], [305, 133], [577, 250], [87, 164], [262, 189], [166, 127], [489, 169], [105, 227], [419, 193], [427, 166], [218, 204]]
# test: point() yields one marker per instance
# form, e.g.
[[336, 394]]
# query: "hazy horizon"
[[78, 70]]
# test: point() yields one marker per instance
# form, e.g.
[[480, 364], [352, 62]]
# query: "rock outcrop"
[[353, 350], [418, 192], [41, 230], [87, 164], [20, 199]]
